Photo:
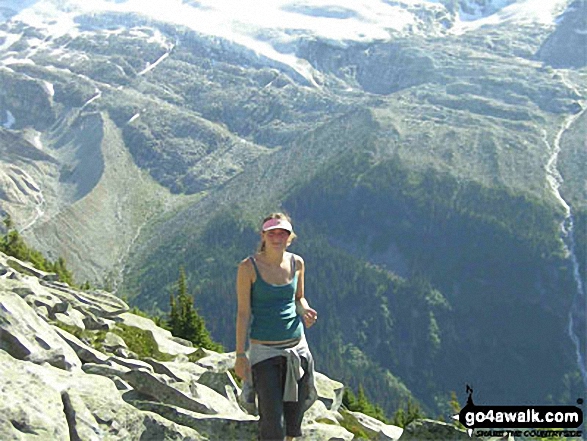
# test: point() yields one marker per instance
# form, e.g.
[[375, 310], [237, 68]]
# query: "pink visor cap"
[[273, 224]]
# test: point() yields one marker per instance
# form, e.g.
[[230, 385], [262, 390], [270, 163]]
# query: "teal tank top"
[[273, 309]]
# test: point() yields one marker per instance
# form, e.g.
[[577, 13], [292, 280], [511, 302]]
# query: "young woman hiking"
[[271, 310]]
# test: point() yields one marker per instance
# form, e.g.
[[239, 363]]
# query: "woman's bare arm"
[[243, 315], [308, 314]]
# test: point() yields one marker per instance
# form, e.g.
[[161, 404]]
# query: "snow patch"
[[521, 12], [160, 39], [49, 88], [36, 141], [57, 18], [94, 98], [12, 60], [9, 40], [61, 55], [134, 117], [10, 120], [150, 67]]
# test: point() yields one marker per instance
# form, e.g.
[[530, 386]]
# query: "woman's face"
[[276, 238]]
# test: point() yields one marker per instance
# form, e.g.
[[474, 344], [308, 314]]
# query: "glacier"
[[271, 27]]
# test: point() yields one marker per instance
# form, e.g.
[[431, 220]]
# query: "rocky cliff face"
[[69, 370]]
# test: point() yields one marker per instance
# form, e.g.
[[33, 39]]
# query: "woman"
[[271, 308]]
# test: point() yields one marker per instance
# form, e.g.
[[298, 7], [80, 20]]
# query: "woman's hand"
[[310, 316], [242, 368]]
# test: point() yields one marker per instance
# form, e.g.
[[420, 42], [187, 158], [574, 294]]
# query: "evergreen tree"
[[399, 418], [348, 398], [379, 413], [363, 404], [455, 408], [184, 319], [8, 222], [60, 268], [414, 412], [14, 245], [173, 321], [360, 403], [403, 417]]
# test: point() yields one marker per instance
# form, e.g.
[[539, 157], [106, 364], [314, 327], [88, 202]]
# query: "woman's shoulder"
[[299, 260], [246, 264]]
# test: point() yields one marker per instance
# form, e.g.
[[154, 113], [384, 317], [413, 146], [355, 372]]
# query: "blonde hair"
[[277, 215]]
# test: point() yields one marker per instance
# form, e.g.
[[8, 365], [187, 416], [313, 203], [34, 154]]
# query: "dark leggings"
[[277, 418]]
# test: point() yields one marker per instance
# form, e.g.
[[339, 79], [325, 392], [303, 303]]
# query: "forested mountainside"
[[435, 169]]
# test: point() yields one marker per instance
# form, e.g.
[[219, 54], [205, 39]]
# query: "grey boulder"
[[25, 336]]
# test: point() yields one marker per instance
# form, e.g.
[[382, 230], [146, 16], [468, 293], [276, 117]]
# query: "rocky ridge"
[[70, 371]]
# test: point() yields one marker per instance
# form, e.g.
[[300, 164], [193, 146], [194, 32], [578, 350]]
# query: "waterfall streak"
[[578, 311]]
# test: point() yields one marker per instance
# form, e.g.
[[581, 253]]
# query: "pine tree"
[[184, 319], [379, 413], [456, 408], [173, 321], [8, 222], [403, 417], [64, 274], [414, 412], [14, 245], [348, 399], [363, 404], [360, 403], [399, 418]]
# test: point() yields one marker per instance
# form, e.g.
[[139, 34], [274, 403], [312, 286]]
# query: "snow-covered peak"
[[352, 20], [272, 27]]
